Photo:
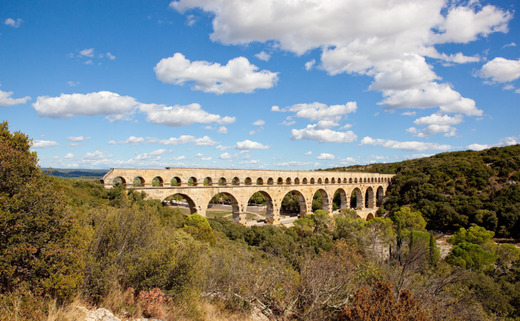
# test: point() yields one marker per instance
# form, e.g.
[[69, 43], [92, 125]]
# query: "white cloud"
[[203, 157], [248, 145], [407, 146], [13, 23], [155, 154], [175, 116], [347, 161], [72, 83], [87, 52], [97, 103], [78, 138], [323, 135], [222, 130], [436, 124], [184, 139], [326, 156], [463, 24], [97, 155], [511, 44], [259, 122], [132, 140], [366, 37], [263, 56], [308, 153], [43, 143], [318, 111], [478, 146], [110, 56], [309, 64], [295, 164], [409, 113], [226, 156], [69, 156], [237, 76], [6, 100], [501, 70]]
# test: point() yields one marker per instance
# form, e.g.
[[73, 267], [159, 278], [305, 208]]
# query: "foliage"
[[198, 226], [39, 244], [470, 256], [380, 303], [409, 220], [453, 190]]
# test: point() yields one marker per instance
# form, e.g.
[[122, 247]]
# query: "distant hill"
[[70, 173], [456, 189]]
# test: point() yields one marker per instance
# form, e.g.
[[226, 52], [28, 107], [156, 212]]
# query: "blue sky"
[[263, 84]]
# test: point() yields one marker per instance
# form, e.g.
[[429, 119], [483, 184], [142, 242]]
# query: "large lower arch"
[[171, 199], [293, 202], [356, 199], [325, 204], [232, 201], [380, 195], [369, 198], [269, 210], [340, 196]]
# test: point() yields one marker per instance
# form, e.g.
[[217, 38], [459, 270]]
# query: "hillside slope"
[[457, 189]]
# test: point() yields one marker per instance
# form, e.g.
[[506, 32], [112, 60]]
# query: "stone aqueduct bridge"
[[199, 185]]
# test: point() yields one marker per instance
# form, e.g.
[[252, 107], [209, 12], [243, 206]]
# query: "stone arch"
[[304, 181], [297, 181], [301, 201], [369, 198], [259, 181], [355, 180], [191, 204], [288, 181], [279, 181], [192, 181], [320, 181], [138, 181], [248, 181], [350, 180], [325, 204], [270, 181], [208, 181], [356, 202], [234, 204], [119, 180], [326, 180], [157, 181], [342, 198], [269, 210], [339, 180], [365, 179], [235, 181], [175, 181], [380, 195], [312, 181], [370, 216], [222, 181]]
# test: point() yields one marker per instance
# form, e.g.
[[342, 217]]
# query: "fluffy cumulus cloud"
[[43, 143], [318, 111], [248, 145], [501, 70], [175, 116], [366, 37], [114, 106], [406, 146], [478, 147], [326, 156], [237, 76], [7, 100], [78, 139], [436, 124], [326, 135]]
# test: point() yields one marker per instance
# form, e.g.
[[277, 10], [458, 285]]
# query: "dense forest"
[[66, 243], [457, 189]]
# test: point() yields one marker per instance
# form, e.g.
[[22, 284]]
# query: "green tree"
[[39, 244], [409, 220]]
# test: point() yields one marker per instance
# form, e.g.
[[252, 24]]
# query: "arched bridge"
[[199, 185]]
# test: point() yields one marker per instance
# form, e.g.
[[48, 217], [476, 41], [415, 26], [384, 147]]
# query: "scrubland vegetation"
[[65, 242]]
